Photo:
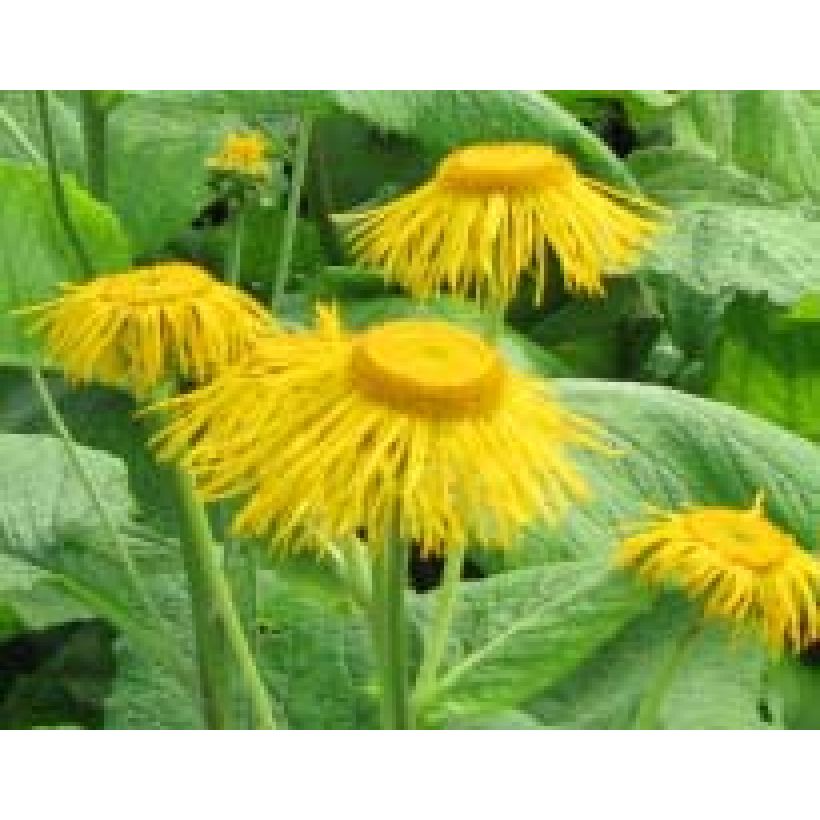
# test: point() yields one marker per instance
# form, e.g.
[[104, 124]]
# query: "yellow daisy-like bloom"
[[138, 328], [744, 567], [493, 211], [412, 428], [245, 154]]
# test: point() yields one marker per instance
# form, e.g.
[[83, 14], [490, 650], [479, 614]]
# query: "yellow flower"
[[413, 428], [493, 211], [742, 565], [245, 154], [138, 328]]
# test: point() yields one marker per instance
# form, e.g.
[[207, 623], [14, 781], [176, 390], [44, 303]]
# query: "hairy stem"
[[297, 180], [58, 193], [94, 136], [389, 623], [234, 267], [215, 616]]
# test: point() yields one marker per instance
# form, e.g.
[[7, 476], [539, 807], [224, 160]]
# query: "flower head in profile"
[[244, 154], [413, 428], [745, 568], [138, 328], [492, 212]]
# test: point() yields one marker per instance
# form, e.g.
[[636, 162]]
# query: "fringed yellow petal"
[[489, 214], [138, 328], [411, 425], [743, 567]]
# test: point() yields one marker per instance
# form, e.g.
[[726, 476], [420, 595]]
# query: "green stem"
[[297, 179], [235, 262], [436, 639], [650, 705], [390, 633], [215, 614], [18, 135], [57, 185], [94, 126]]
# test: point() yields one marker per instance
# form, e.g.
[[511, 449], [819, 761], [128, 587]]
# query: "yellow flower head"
[[138, 328], [245, 154], [492, 212], [413, 427], [742, 565]]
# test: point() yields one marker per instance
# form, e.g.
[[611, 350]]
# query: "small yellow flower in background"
[[245, 154], [412, 428], [490, 213], [742, 566], [138, 328]]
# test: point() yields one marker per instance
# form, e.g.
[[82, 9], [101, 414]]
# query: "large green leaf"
[[770, 366], [718, 684], [676, 448], [157, 179], [34, 252], [518, 632], [48, 521], [716, 247]]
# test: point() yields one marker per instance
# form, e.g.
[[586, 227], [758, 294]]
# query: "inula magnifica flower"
[[137, 329], [744, 567], [412, 429], [244, 154], [492, 212]]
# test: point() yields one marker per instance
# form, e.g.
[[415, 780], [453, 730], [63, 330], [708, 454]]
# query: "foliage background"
[[704, 367]]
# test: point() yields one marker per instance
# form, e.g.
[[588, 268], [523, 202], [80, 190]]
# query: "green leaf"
[[715, 248], [682, 175], [769, 366], [676, 448], [48, 521], [157, 179], [445, 119], [776, 136], [35, 254], [719, 684], [516, 633], [439, 119], [314, 657]]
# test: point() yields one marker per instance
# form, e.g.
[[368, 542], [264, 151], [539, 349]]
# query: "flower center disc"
[[503, 167], [428, 368], [156, 286], [745, 538]]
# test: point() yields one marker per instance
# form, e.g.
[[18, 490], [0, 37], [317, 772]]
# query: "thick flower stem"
[[390, 634], [94, 126], [60, 203], [297, 180], [435, 641], [649, 707], [215, 616]]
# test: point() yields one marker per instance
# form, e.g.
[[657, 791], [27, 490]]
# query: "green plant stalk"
[[18, 135], [437, 637], [390, 633], [649, 707], [94, 137], [234, 266], [495, 323], [294, 199], [58, 193], [215, 615]]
